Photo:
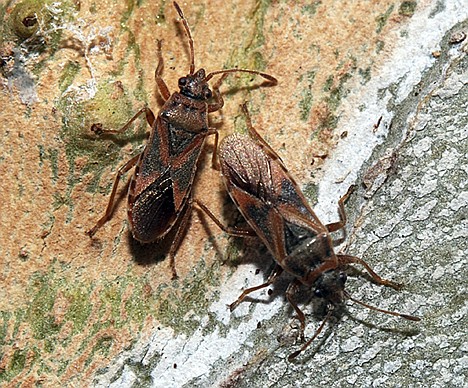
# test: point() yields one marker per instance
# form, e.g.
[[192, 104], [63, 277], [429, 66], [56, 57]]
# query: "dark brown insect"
[[278, 213], [159, 194]]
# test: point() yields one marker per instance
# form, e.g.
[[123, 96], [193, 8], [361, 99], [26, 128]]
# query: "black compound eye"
[[208, 94], [343, 278], [318, 293], [182, 81]]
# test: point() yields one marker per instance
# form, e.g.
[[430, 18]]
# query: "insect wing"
[[162, 182], [266, 195], [152, 212]]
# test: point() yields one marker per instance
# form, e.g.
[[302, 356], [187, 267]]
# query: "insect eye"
[[343, 278], [208, 94], [182, 81], [318, 293]]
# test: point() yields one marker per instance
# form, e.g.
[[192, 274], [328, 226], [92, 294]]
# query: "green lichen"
[[138, 304], [335, 89], [258, 37], [308, 77], [181, 307], [18, 362], [59, 200], [132, 47], [248, 54], [111, 297], [439, 7], [88, 308], [69, 72], [102, 346], [131, 4], [379, 46], [4, 319], [52, 155], [78, 308], [110, 107], [329, 122], [365, 74], [407, 8], [337, 94], [310, 190], [232, 255], [24, 25], [328, 83], [79, 301], [383, 18], [132, 51], [38, 313], [305, 104], [311, 9], [161, 15], [143, 370]]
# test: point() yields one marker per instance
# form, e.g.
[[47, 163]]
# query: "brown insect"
[[159, 194], [277, 212]]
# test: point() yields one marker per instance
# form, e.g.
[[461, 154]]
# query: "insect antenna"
[[405, 316], [189, 35], [272, 80], [330, 310], [317, 332]]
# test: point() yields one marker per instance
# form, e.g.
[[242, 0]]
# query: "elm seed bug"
[[278, 213], [159, 194]]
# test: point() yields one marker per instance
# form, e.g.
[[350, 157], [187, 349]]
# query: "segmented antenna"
[[394, 313], [273, 81], [317, 332], [189, 35], [330, 310]]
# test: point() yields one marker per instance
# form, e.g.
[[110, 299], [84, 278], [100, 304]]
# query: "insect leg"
[[218, 99], [108, 214], [213, 107], [97, 128], [345, 259], [163, 89], [256, 136], [179, 235], [276, 272], [291, 290], [214, 158], [233, 231], [333, 227]]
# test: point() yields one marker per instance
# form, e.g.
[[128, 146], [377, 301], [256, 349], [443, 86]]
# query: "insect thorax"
[[185, 114], [306, 251]]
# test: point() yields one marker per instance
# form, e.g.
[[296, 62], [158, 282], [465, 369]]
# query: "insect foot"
[[160, 190]]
